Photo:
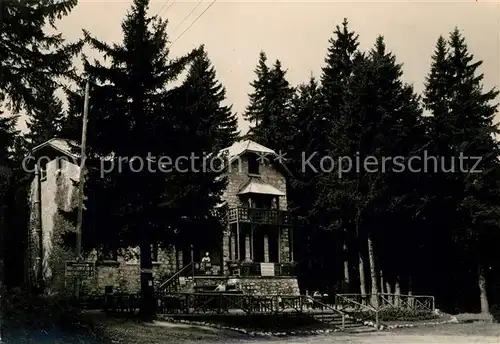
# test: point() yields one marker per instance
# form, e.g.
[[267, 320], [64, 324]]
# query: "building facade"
[[256, 247]]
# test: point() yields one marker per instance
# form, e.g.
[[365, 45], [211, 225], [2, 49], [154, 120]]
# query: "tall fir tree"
[[206, 125], [270, 106], [45, 122], [206, 98], [30, 57], [462, 125], [342, 57], [306, 122], [137, 113], [257, 108], [378, 118]]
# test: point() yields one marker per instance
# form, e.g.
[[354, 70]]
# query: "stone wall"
[[284, 245], [238, 176], [121, 277], [257, 285], [59, 192]]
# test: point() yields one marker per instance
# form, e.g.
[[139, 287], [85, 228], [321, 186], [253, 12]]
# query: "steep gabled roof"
[[62, 145], [241, 147], [256, 186]]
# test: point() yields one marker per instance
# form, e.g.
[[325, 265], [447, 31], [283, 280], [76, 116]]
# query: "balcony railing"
[[254, 269], [260, 216]]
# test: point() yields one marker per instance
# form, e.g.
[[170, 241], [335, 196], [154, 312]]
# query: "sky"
[[297, 33]]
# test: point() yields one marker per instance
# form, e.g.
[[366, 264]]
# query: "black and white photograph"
[[249, 172]]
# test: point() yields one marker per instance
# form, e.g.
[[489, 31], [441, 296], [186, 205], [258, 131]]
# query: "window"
[[154, 252], [109, 254], [253, 164], [59, 163], [43, 172]]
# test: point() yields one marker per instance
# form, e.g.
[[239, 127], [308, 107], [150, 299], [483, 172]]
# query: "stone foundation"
[[257, 285]]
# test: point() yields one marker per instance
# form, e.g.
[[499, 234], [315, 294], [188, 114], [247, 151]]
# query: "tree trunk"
[[383, 290], [397, 293], [361, 263], [346, 287], [362, 283], [147, 291], [483, 297], [390, 297], [411, 299], [373, 273]]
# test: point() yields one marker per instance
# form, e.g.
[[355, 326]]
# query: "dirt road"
[[444, 334]]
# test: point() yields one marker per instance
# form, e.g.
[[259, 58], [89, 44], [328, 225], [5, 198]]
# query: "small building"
[[256, 248]]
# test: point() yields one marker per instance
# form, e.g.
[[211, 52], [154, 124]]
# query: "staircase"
[[329, 315], [335, 320], [173, 283]]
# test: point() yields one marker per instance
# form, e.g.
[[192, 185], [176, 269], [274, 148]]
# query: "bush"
[[495, 312], [406, 315], [23, 310], [397, 314]]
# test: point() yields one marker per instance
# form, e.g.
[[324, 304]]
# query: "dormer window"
[[59, 164], [43, 172], [253, 164]]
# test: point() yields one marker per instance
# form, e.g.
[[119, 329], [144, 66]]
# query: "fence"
[[368, 307]]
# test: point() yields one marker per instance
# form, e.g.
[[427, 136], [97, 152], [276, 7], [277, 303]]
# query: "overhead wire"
[[194, 22], [188, 15], [165, 4]]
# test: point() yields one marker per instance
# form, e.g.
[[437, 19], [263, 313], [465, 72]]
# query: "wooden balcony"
[[260, 216]]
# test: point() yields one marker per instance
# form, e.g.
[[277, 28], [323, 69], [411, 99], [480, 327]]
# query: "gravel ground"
[[131, 332]]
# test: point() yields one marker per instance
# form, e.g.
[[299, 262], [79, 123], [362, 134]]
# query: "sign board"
[[83, 269], [182, 280], [267, 269]]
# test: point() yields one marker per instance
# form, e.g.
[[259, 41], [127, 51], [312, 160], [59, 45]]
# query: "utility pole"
[[81, 185]]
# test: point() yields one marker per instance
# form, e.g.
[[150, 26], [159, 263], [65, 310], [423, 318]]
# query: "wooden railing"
[[260, 216], [172, 284], [369, 306], [385, 301], [122, 304], [280, 269], [207, 269]]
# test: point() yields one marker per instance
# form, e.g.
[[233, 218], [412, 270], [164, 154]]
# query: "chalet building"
[[255, 249]]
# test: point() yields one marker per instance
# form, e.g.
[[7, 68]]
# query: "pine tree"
[[46, 120], [462, 124], [342, 58], [257, 107], [31, 58], [378, 117], [306, 122], [338, 67], [206, 125], [270, 106], [8, 135], [205, 98], [136, 113]]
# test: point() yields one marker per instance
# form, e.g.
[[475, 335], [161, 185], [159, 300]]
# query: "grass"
[[262, 322], [133, 331], [29, 319]]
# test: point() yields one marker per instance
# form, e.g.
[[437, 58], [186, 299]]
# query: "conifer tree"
[[270, 106], [257, 107], [342, 57], [30, 57], [205, 98], [378, 118], [46, 119], [136, 112], [462, 125]]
